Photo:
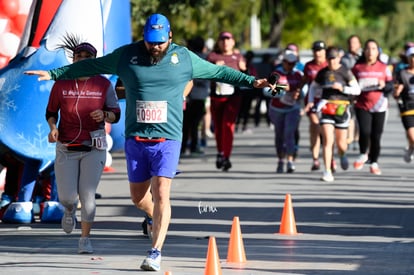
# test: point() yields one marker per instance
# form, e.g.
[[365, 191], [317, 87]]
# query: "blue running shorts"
[[147, 159]]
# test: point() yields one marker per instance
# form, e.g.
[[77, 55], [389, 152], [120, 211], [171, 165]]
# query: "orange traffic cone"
[[168, 273], [235, 253], [213, 266], [287, 224]]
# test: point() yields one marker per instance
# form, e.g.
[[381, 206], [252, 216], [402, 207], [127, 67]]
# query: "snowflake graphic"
[[6, 101], [19, 134], [36, 144]]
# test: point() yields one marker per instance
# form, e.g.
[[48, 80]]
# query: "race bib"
[[368, 84], [151, 111], [224, 89], [99, 139]]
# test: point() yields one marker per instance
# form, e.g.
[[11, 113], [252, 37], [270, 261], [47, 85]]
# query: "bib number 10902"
[[151, 111]]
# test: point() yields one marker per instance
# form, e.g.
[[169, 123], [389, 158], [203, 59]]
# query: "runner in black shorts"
[[404, 94], [337, 84]]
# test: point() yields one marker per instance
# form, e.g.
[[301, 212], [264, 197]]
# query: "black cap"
[[318, 45]]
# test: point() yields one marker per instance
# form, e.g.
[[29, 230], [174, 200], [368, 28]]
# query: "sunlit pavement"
[[358, 224]]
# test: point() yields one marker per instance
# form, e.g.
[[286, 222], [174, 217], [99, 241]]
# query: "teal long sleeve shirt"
[[154, 92]]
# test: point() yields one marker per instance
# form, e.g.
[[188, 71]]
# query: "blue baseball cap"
[[157, 29]]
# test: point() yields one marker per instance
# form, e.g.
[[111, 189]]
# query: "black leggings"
[[371, 126], [192, 117]]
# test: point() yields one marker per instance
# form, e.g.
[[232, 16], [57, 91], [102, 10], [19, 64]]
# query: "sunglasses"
[[153, 44]]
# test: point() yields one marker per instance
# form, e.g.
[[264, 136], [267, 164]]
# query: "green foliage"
[[284, 21], [195, 17], [140, 9], [375, 8], [336, 18]]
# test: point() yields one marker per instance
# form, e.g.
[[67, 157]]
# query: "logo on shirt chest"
[[174, 58]]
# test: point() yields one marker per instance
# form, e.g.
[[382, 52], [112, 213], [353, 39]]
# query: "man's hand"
[[43, 75], [275, 88], [263, 83]]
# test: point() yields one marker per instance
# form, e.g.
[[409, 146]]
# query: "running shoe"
[[327, 176], [219, 161], [68, 221], [333, 165], [85, 246], [279, 168], [408, 156], [147, 226], [290, 167], [315, 165], [153, 261], [359, 163], [344, 162], [374, 169], [226, 164]]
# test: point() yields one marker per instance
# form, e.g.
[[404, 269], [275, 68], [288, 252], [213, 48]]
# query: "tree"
[[197, 17], [303, 21], [284, 21]]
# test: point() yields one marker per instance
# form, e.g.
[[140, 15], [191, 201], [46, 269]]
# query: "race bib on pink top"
[[369, 84]]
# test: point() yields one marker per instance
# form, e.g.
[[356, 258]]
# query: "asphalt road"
[[359, 224]]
